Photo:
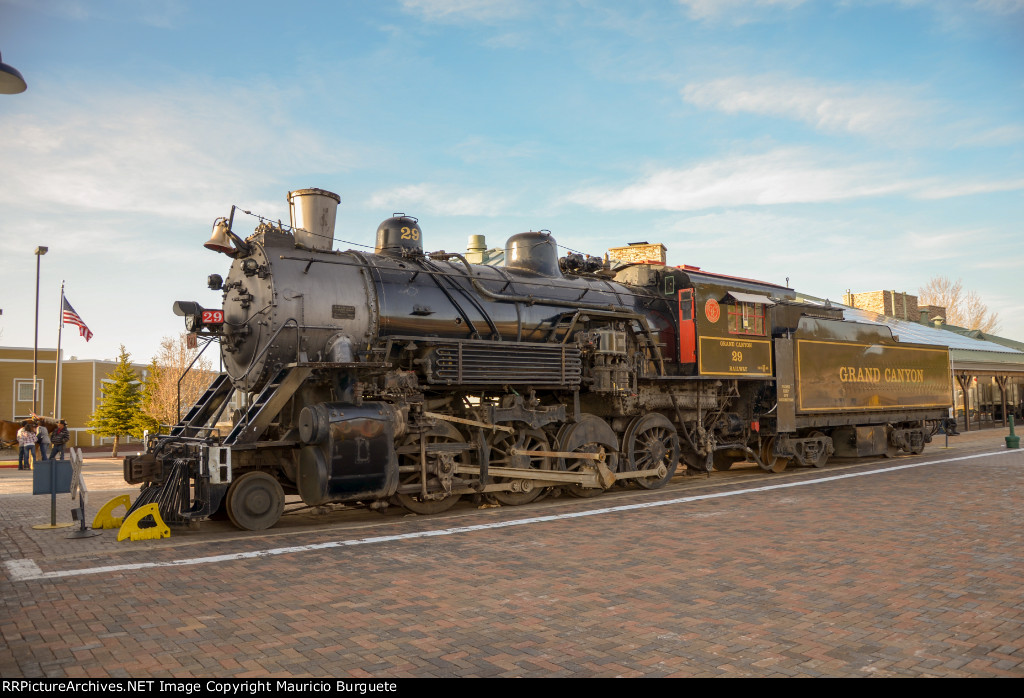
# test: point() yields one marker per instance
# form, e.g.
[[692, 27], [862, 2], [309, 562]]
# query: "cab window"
[[746, 318]]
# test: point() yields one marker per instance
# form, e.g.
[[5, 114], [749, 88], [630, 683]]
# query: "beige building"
[[901, 305], [81, 388], [639, 252]]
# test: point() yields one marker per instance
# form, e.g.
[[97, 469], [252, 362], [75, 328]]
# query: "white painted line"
[[27, 570]]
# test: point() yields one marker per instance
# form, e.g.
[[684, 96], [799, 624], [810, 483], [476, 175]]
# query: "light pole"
[[40, 251]]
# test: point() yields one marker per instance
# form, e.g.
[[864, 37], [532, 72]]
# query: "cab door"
[[687, 327]]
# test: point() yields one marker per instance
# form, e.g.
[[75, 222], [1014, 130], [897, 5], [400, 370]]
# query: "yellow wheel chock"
[[130, 528], [105, 517]]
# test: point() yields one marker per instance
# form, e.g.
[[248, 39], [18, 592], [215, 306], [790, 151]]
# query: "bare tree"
[[160, 393], [963, 308]]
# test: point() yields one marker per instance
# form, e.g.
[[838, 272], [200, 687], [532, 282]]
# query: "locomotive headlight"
[[192, 312]]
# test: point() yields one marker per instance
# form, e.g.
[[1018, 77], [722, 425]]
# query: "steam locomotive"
[[412, 379]]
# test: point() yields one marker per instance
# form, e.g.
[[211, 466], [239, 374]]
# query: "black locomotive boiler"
[[411, 378]]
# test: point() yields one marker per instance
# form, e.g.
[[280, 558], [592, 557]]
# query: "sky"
[[859, 144]]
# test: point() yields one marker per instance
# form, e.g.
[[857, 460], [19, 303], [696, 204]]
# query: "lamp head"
[[11, 82]]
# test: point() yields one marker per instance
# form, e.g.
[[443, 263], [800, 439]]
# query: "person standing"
[[26, 445], [43, 439], [58, 438]]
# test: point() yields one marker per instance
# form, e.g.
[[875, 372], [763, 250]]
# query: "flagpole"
[[56, 380]]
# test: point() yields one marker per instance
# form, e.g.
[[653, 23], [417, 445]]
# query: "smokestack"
[[313, 213]]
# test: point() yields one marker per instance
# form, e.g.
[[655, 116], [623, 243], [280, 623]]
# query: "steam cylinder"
[[349, 452]]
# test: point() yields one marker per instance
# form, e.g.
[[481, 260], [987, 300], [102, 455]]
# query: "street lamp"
[[40, 251]]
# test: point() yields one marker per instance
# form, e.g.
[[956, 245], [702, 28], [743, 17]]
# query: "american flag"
[[71, 317]]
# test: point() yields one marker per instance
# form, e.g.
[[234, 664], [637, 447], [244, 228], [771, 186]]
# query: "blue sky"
[[862, 144]]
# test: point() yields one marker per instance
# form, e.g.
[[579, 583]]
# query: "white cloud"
[[157, 13], [949, 190], [883, 112], [440, 200], [831, 108], [475, 149], [994, 136], [458, 10], [509, 40], [782, 176], [735, 10], [65, 9], [1000, 7], [1013, 263], [176, 152]]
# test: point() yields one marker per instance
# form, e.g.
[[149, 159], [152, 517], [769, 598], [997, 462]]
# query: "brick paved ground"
[[915, 572]]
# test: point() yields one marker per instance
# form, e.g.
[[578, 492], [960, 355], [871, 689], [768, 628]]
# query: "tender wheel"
[[822, 458], [255, 501], [652, 442], [775, 463], [437, 464], [590, 434], [522, 441]]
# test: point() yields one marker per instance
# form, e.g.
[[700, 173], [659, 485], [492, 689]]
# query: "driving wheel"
[[589, 435], [514, 451], [439, 468], [651, 442]]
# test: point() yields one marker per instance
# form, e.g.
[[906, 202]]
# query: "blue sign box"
[[51, 477]]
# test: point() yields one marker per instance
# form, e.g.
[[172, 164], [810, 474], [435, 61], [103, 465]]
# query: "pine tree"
[[116, 414]]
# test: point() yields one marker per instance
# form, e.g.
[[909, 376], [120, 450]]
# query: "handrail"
[[185, 373]]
